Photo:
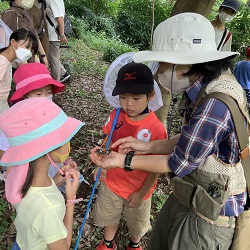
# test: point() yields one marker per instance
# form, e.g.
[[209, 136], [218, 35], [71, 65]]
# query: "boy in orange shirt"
[[129, 191]]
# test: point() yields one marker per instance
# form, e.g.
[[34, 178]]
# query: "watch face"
[[144, 135]]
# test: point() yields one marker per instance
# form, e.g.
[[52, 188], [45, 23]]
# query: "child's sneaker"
[[132, 248], [102, 246]]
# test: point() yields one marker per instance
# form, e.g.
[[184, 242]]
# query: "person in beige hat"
[[209, 186]]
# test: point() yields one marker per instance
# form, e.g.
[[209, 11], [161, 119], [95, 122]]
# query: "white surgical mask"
[[225, 18], [25, 4], [49, 97], [178, 85], [22, 54]]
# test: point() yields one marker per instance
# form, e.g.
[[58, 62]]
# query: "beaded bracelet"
[[69, 202]]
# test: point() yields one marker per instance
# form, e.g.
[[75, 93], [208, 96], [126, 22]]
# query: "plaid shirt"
[[210, 131]]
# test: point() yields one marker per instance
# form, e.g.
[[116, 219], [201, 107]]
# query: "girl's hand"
[[102, 175], [59, 179], [72, 183], [113, 160], [132, 144]]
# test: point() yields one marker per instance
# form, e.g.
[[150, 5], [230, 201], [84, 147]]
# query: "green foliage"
[[114, 49], [3, 6], [100, 37], [4, 224], [158, 200], [134, 20], [240, 27], [5, 217], [97, 7], [80, 58]]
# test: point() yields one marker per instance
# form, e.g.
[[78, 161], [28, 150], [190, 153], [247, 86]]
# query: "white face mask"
[[49, 97], [178, 85], [225, 18], [22, 55], [25, 4]]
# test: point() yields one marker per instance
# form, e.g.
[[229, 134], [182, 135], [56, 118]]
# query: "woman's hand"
[[130, 143], [113, 160]]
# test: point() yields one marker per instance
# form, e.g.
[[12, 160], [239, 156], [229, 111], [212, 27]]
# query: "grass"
[[80, 58]]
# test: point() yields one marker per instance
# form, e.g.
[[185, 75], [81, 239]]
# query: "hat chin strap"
[[54, 164]]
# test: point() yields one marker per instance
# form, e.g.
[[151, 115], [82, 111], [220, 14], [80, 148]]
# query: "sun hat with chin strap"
[[34, 127], [186, 38]]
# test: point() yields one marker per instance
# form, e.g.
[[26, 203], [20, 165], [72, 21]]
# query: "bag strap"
[[50, 22], [222, 39], [227, 38], [238, 123], [42, 21]]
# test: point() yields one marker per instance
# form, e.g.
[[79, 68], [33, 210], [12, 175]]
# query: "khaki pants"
[[56, 68], [178, 228], [109, 207]]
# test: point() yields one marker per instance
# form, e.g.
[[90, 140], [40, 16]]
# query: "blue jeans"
[[15, 246]]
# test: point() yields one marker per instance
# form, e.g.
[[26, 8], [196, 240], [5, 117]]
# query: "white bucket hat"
[[187, 38], [111, 76]]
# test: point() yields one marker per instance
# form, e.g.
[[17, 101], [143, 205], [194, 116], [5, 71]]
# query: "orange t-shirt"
[[119, 181]]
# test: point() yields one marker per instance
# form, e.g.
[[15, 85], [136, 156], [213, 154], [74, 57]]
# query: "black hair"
[[11, 1], [29, 178], [26, 35], [211, 70]]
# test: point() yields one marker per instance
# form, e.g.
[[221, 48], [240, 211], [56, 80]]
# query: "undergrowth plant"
[[6, 216], [158, 200]]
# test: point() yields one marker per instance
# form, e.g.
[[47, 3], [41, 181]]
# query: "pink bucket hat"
[[32, 76], [33, 127]]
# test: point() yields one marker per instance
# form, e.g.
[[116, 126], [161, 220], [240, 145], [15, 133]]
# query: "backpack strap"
[[238, 123], [42, 21], [50, 22]]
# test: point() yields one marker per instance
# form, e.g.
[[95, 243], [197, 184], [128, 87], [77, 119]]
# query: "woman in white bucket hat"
[[209, 187]]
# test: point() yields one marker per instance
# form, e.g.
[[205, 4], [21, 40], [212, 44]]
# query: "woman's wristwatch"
[[128, 160], [43, 55]]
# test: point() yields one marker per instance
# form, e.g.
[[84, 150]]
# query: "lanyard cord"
[[174, 100], [96, 181]]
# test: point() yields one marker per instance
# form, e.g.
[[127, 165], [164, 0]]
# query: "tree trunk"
[[202, 7]]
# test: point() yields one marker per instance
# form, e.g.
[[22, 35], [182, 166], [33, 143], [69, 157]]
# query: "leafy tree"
[[134, 20]]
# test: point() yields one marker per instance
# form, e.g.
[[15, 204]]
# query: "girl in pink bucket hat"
[[39, 133], [34, 80]]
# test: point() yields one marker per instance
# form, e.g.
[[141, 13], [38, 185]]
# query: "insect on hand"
[[103, 151]]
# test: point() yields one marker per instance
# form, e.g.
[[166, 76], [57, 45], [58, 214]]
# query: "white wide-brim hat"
[[111, 76], [187, 38]]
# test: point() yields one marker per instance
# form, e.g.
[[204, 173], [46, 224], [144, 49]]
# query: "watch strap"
[[128, 160]]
